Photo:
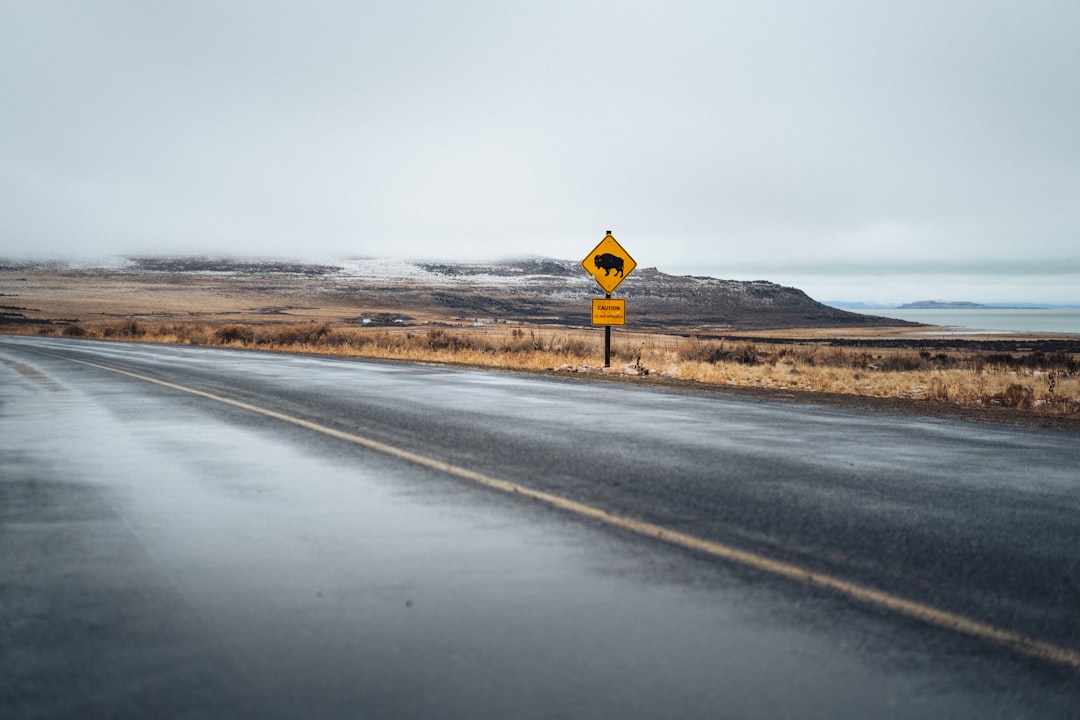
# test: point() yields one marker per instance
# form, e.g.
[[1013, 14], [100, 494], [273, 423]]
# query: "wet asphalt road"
[[165, 554]]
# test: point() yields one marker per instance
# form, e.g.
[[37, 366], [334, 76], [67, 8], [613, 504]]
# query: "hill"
[[942, 305], [374, 291]]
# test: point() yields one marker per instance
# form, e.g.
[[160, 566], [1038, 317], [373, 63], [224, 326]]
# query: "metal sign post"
[[607, 342]]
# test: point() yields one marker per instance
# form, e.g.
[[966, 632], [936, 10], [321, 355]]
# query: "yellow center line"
[[909, 608]]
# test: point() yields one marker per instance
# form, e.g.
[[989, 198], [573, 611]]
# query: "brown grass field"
[[870, 367]]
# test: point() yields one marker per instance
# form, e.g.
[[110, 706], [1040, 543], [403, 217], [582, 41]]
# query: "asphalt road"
[[190, 532]]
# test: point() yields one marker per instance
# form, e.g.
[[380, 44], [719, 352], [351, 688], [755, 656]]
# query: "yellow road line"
[[919, 611]]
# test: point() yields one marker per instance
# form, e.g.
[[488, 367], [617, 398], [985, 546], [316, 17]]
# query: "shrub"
[[577, 347], [748, 355], [342, 339], [901, 362], [697, 350], [301, 334], [1016, 396], [439, 339], [938, 391], [194, 334], [234, 333], [124, 328]]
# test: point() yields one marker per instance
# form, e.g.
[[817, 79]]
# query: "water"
[[992, 320]]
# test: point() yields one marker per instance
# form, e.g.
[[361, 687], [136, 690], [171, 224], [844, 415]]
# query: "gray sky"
[[860, 150]]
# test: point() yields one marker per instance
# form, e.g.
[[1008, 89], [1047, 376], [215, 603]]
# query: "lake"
[[993, 320]]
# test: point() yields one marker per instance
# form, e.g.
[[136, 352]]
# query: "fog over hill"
[[536, 289]]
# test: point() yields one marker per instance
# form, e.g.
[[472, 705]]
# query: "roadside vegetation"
[[1030, 382]]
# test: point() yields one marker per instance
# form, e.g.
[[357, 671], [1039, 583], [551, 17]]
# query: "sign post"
[[609, 264], [607, 342]]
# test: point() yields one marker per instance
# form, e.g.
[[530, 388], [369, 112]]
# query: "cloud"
[[836, 136]]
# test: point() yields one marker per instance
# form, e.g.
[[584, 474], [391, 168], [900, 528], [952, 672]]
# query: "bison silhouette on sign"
[[609, 262]]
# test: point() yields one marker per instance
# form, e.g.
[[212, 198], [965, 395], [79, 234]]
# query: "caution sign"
[[609, 311], [609, 264]]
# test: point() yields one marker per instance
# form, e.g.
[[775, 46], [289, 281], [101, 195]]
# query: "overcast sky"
[[882, 151]]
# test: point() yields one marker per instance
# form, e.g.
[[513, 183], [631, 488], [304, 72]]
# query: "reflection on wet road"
[[162, 553]]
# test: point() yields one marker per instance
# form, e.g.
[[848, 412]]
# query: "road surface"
[[191, 532]]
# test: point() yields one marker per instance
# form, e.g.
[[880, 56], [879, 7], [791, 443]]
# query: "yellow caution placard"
[[609, 311], [609, 263]]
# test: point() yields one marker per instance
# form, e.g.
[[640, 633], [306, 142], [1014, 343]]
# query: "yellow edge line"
[[908, 608]]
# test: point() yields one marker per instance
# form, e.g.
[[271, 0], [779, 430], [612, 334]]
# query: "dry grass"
[[1045, 384], [509, 347]]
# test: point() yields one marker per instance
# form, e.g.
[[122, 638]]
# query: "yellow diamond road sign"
[[609, 264]]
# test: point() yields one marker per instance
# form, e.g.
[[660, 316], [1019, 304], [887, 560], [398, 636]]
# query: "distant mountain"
[[938, 304], [855, 305], [941, 305]]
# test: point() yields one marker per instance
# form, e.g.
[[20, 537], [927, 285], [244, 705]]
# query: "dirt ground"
[[66, 296]]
